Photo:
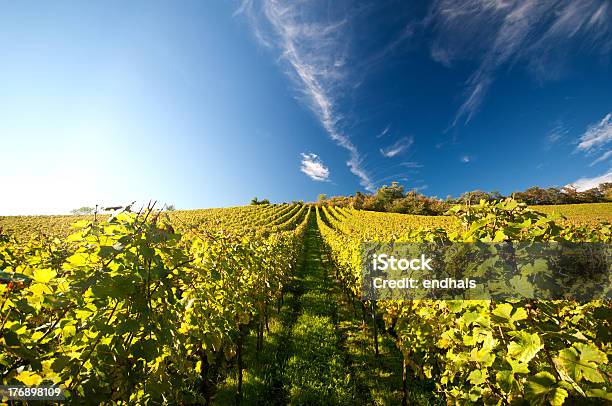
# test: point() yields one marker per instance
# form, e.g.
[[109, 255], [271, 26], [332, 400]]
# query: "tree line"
[[395, 199]]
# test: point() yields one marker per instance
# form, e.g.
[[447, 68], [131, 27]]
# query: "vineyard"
[[580, 214], [262, 305]]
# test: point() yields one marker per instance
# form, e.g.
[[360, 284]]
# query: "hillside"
[[264, 303]]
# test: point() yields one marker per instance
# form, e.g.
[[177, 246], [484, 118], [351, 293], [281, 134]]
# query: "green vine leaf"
[[542, 389], [525, 346]]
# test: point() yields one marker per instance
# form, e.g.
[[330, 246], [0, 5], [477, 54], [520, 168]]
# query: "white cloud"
[[596, 136], [501, 32], [554, 136], [441, 55], [314, 168], [583, 184], [397, 147], [314, 51], [466, 159], [411, 164], [607, 155], [384, 132]]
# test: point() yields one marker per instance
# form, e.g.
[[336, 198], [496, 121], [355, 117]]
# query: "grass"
[[320, 351]]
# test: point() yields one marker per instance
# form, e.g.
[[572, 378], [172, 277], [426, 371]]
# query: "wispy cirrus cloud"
[[313, 49], [603, 158], [596, 136], [499, 33], [397, 147], [411, 164], [384, 132], [420, 188], [596, 140], [555, 136], [313, 166]]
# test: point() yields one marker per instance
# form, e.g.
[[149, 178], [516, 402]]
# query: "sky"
[[208, 104]]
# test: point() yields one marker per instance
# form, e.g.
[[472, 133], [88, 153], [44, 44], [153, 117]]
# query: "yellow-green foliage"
[[142, 308], [150, 308], [514, 352], [26, 226], [577, 214]]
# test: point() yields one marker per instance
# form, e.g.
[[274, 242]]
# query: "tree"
[[321, 199], [386, 194], [606, 191], [263, 201], [475, 196], [358, 201], [415, 203], [81, 211]]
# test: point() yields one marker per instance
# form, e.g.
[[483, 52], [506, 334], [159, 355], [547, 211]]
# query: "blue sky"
[[206, 104]]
